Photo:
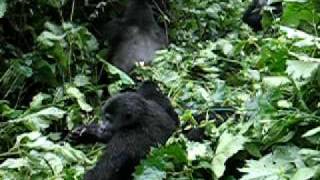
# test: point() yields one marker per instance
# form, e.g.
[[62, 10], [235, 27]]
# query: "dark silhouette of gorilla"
[[253, 15], [135, 37], [132, 122]]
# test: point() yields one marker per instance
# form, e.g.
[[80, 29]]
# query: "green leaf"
[[304, 39], [276, 165], [7, 112], [37, 101], [116, 86], [55, 163], [41, 119], [14, 163], [304, 174], [23, 138], [55, 3], [275, 81], [3, 7], [72, 155], [152, 174], [41, 143], [300, 70], [81, 80], [161, 160], [312, 132], [228, 146], [75, 93], [284, 104], [198, 150], [305, 10], [48, 39]]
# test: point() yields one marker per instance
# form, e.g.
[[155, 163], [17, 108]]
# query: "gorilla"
[[132, 122], [253, 15], [135, 37]]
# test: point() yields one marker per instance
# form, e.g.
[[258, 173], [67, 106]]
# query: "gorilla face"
[[123, 110]]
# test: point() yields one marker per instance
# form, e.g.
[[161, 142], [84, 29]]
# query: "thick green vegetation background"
[[52, 55]]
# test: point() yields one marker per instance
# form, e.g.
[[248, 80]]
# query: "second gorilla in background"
[[135, 37], [253, 15]]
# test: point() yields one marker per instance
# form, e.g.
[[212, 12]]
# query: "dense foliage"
[[54, 76]]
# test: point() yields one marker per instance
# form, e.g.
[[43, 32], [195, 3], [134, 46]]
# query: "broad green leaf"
[[204, 93], [262, 169], [37, 101], [296, 34], [225, 45], [42, 143], [312, 132], [284, 104], [23, 138], [3, 7], [228, 145], [300, 70], [41, 119], [302, 7], [152, 174], [304, 174], [71, 154], [48, 39], [75, 93], [14, 163], [276, 165], [81, 80], [55, 163], [161, 160], [7, 112], [196, 149], [124, 78], [303, 39], [275, 81]]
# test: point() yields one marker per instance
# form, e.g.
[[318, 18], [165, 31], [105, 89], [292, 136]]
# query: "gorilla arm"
[[92, 133]]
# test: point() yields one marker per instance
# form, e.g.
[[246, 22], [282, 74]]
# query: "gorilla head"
[[253, 15], [123, 110]]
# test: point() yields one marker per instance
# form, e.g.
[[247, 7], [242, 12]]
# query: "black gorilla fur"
[[132, 123], [253, 15], [135, 37]]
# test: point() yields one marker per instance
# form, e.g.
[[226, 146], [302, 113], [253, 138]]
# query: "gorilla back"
[[135, 37]]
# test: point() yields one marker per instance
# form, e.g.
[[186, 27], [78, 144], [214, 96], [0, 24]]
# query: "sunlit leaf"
[[75, 93], [228, 145], [3, 7]]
